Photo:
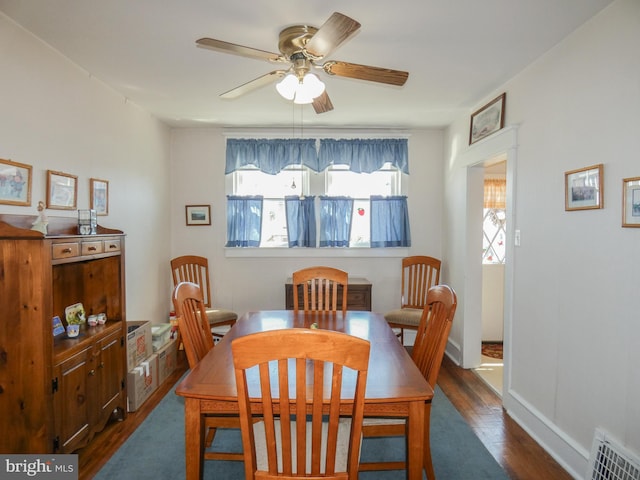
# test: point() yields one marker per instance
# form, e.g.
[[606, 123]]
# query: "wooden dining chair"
[[419, 274], [427, 353], [195, 269], [320, 291], [197, 339], [297, 385]]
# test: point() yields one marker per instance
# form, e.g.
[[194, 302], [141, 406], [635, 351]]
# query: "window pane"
[[274, 224], [361, 185], [360, 228], [255, 182], [494, 234]]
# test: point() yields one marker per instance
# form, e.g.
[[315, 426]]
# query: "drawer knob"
[[92, 249], [66, 250]]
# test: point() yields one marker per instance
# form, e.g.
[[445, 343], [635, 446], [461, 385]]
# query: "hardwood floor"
[[106, 443], [520, 456]]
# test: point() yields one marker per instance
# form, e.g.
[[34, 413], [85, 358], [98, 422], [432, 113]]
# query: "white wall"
[[492, 302], [55, 116], [249, 283], [574, 334]]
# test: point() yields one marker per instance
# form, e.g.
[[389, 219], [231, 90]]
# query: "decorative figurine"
[[40, 224]]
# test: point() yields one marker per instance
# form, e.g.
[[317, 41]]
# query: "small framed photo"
[[62, 190], [583, 188], [99, 196], [488, 119], [15, 183], [198, 215], [631, 202]]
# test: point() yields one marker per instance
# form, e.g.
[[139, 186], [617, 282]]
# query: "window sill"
[[233, 252]]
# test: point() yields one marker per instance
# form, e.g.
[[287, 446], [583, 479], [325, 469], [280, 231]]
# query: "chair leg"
[[428, 461]]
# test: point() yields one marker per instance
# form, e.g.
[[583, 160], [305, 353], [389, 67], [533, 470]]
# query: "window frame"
[[309, 252]]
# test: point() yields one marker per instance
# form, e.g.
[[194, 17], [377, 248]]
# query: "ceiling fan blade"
[[364, 72], [254, 84], [331, 34], [322, 103], [235, 49]]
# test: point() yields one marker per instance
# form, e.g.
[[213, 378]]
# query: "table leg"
[[428, 462], [194, 438], [415, 439]]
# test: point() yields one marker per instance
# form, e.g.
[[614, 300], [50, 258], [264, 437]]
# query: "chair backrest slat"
[[306, 368], [320, 290], [192, 321], [419, 274], [194, 269], [433, 331]]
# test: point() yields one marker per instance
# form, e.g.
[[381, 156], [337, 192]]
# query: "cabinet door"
[[72, 402], [110, 368]]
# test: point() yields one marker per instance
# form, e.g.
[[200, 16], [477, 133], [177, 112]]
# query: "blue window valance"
[[364, 155], [270, 155]]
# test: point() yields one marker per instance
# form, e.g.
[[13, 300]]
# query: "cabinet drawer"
[[112, 245], [357, 300], [91, 248], [65, 250]]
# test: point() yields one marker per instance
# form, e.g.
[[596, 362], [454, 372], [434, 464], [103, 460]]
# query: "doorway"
[[502, 144], [494, 259]]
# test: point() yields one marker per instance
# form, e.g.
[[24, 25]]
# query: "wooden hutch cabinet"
[[56, 393]]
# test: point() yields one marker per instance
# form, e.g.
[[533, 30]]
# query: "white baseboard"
[[566, 451], [453, 352]]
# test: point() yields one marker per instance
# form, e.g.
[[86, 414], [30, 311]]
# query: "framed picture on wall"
[[99, 196], [583, 188], [15, 183], [198, 215], [62, 190], [487, 120], [631, 202]]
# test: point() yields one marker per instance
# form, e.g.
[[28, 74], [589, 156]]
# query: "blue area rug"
[[155, 451]]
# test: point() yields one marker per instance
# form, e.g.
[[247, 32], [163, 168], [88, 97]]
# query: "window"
[[306, 192], [360, 186], [493, 223], [335, 181], [494, 234], [290, 181]]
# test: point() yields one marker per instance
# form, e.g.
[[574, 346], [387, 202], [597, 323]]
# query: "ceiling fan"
[[305, 47]]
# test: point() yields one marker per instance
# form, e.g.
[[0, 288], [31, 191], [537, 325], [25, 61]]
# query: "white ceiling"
[[456, 51]]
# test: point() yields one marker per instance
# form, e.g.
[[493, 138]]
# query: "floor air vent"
[[610, 461]]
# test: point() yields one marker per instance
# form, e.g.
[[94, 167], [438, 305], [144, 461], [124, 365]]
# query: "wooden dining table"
[[395, 386]]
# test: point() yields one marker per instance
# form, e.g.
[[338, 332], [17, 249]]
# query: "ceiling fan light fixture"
[[287, 86], [312, 86], [300, 92]]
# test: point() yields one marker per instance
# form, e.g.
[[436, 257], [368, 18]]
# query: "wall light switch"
[[516, 239]]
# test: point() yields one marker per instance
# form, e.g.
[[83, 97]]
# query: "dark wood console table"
[[358, 294]]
